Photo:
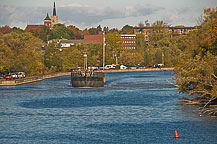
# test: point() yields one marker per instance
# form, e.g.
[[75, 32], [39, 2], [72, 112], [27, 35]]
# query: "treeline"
[[196, 70], [22, 51]]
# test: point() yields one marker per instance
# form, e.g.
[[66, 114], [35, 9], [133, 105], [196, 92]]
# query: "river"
[[132, 108]]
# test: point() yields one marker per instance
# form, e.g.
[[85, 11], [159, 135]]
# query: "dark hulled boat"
[[87, 79]]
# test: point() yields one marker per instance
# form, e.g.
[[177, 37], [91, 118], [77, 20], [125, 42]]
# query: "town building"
[[129, 41], [94, 39], [48, 22], [173, 30], [64, 43]]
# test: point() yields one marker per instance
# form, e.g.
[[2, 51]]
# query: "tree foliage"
[[113, 46], [196, 72], [60, 31], [21, 51]]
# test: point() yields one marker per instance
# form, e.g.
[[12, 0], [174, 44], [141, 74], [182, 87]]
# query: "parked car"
[[150, 67], [14, 75], [123, 67], [8, 77], [21, 75], [108, 67]]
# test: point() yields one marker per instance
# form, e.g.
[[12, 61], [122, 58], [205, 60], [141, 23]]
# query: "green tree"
[[42, 33], [60, 31], [114, 46], [127, 29], [71, 57], [129, 58], [52, 58]]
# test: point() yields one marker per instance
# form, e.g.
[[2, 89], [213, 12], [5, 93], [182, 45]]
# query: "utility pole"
[[103, 51]]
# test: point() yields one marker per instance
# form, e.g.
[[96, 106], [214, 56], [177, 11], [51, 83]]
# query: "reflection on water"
[[132, 108]]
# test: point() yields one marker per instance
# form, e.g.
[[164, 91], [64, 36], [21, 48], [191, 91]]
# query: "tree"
[[43, 33], [99, 28], [159, 31], [92, 31], [127, 29], [113, 46], [5, 29], [76, 33], [52, 58], [21, 51], [196, 72], [106, 29], [129, 58], [60, 32], [71, 57]]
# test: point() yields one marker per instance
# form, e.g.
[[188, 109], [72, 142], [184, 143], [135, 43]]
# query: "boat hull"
[[88, 80]]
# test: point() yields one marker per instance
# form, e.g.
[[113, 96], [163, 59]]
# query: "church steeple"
[[47, 17], [54, 18], [54, 10]]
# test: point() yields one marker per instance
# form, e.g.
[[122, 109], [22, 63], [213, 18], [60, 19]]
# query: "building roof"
[[170, 27], [71, 41], [31, 27], [47, 17], [128, 35]]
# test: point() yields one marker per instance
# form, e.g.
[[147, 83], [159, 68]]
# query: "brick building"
[[129, 41], [94, 39]]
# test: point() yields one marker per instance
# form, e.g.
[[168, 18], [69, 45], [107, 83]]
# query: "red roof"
[[31, 27]]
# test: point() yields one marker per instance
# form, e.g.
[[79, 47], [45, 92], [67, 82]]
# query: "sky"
[[112, 13]]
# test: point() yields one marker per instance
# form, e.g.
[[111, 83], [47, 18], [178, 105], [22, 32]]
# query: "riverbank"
[[39, 78], [137, 70], [31, 79]]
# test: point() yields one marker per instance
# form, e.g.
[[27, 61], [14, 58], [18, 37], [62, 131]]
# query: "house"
[[64, 43]]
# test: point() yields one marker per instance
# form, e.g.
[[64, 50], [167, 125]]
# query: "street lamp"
[[85, 61]]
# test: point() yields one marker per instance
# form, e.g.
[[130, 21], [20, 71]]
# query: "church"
[[48, 22]]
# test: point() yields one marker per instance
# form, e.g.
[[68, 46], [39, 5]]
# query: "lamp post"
[[85, 61]]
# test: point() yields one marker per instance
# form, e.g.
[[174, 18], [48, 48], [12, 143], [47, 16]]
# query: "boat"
[[87, 79]]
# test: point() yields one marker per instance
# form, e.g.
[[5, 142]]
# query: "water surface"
[[140, 107]]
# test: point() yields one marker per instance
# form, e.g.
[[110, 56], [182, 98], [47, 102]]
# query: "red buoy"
[[176, 134]]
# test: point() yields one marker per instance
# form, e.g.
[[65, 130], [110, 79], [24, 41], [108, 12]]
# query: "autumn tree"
[[71, 57], [43, 33], [196, 72], [5, 29], [21, 51], [113, 47], [52, 57], [129, 58], [76, 33], [60, 31]]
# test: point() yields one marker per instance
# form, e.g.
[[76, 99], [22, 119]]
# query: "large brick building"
[[48, 22], [129, 41], [94, 39]]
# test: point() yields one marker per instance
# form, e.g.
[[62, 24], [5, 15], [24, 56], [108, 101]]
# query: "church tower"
[[54, 18], [47, 21]]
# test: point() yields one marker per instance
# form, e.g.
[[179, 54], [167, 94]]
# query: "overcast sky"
[[111, 13]]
